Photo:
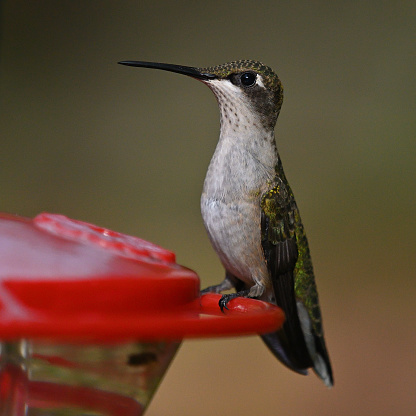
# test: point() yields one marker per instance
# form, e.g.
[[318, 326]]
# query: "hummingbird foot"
[[217, 288], [213, 289], [223, 302], [230, 282]]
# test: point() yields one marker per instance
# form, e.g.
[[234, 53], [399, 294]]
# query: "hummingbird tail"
[[272, 340], [321, 365], [297, 345], [316, 347]]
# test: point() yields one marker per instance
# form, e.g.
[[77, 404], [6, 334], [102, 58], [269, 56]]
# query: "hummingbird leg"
[[257, 290], [254, 292], [229, 282]]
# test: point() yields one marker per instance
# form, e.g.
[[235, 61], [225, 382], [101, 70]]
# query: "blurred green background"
[[127, 148]]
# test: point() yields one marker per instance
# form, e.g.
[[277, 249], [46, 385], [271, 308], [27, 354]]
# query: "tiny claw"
[[223, 302]]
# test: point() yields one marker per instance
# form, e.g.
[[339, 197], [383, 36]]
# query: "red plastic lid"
[[69, 280]]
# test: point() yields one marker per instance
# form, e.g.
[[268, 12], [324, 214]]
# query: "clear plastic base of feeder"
[[41, 379]]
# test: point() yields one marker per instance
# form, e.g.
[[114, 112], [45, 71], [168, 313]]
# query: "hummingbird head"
[[247, 91], [249, 87]]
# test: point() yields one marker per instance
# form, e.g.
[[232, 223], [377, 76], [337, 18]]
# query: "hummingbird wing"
[[300, 343], [281, 254]]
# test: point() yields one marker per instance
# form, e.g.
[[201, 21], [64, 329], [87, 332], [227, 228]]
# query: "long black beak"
[[179, 69]]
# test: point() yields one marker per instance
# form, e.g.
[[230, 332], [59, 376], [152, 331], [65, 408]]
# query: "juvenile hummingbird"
[[251, 215]]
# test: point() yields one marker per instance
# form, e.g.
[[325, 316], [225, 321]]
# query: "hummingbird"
[[251, 215]]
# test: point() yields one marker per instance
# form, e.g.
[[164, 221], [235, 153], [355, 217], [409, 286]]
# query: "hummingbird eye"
[[248, 79]]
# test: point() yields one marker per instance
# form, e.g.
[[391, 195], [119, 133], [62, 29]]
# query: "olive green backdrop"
[[127, 148]]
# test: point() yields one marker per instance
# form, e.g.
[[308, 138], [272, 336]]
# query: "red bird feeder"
[[90, 319]]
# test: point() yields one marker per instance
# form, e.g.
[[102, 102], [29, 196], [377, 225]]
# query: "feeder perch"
[[90, 319]]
